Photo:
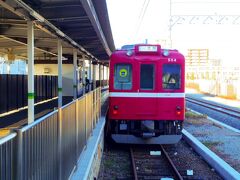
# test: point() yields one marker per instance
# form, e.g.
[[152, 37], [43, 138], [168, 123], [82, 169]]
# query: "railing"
[[50, 147], [102, 83], [68, 139], [37, 147], [7, 157]]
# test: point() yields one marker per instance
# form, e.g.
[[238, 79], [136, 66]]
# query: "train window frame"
[[171, 81], [152, 74], [128, 72]]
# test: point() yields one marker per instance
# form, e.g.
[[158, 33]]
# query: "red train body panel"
[[146, 95]]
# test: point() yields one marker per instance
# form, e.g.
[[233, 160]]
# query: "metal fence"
[[97, 104], [68, 139], [102, 83], [81, 125], [13, 91], [6, 156], [37, 147], [89, 124], [90, 86], [50, 147]]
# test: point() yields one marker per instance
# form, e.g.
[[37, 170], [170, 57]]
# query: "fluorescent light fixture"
[[37, 16], [64, 58], [60, 33]]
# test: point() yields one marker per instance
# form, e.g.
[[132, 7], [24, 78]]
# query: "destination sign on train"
[[147, 48]]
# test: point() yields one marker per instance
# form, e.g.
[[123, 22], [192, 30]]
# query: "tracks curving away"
[[218, 108]]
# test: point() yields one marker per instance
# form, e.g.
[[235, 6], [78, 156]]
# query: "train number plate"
[[123, 127], [148, 135]]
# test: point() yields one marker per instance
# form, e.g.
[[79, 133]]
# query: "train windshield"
[[123, 76], [171, 76], [147, 77]]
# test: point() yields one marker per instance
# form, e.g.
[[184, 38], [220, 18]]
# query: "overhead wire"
[[142, 15], [143, 6]]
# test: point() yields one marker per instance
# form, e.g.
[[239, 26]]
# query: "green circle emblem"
[[123, 72]]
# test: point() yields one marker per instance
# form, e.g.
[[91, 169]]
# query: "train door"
[[147, 103]]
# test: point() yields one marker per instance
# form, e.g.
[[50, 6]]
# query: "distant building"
[[197, 57], [200, 66], [209, 76]]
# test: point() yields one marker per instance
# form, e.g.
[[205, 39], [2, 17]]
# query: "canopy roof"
[[83, 24]]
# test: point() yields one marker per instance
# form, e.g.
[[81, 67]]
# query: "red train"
[[146, 95]]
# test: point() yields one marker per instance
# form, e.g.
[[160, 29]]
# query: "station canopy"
[[83, 24]]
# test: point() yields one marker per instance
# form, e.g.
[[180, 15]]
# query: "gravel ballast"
[[116, 162], [224, 142]]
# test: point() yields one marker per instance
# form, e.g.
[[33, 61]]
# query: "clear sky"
[[134, 21]]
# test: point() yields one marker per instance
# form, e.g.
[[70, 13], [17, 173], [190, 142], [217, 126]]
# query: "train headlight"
[[165, 52], [129, 52]]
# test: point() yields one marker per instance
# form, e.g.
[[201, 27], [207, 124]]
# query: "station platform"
[[66, 143], [45, 140], [89, 162], [18, 117]]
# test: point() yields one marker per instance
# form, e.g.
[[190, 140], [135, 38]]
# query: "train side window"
[[123, 76], [147, 76], [171, 76]]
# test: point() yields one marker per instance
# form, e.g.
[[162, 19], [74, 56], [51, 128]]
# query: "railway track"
[[155, 164], [119, 163], [218, 108]]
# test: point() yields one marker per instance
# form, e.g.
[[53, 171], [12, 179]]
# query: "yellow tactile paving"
[[4, 132]]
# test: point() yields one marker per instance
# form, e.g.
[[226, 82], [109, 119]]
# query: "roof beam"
[[89, 9], [27, 13], [69, 19], [53, 18], [25, 44], [13, 10]]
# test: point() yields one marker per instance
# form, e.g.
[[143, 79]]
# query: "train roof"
[[146, 50]]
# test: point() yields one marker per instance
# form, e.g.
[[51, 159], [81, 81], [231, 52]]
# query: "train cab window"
[[171, 76], [147, 77], [123, 76]]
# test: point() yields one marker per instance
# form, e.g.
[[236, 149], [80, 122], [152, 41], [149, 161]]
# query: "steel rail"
[[216, 105], [178, 175], [133, 165], [175, 172], [216, 108]]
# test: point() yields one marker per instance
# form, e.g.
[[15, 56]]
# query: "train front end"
[[146, 95]]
